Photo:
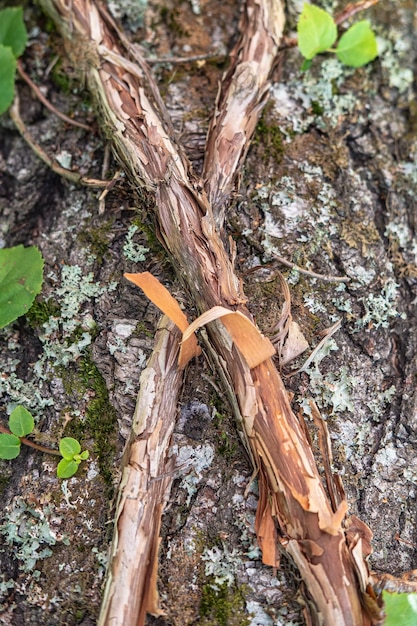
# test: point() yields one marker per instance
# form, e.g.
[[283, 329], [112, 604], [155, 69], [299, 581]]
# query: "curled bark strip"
[[254, 347], [145, 486], [161, 297], [293, 503]]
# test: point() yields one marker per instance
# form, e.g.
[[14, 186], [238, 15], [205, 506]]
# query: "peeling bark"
[[294, 512], [144, 487]]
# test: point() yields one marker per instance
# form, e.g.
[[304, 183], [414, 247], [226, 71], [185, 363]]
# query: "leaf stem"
[[30, 443]]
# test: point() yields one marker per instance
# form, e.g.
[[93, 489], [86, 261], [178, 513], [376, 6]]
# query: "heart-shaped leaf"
[[9, 446], [357, 46], [21, 274], [13, 30], [66, 468], [400, 608], [69, 447], [317, 31], [21, 422]]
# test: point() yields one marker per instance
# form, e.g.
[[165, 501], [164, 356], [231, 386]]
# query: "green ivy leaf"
[[357, 46], [9, 446], [316, 30], [21, 422], [7, 76], [66, 468], [21, 275], [13, 30], [400, 608], [69, 447]]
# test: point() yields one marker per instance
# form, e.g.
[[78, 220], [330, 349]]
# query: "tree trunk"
[[294, 512]]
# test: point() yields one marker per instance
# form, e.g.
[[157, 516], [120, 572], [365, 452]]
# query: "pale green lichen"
[[380, 309], [29, 531], [132, 250], [197, 459], [288, 209], [333, 390], [313, 304], [133, 10], [379, 402], [221, 565], [408, 169], [66, 336], [391, 53], [5, 586], [321, 97]]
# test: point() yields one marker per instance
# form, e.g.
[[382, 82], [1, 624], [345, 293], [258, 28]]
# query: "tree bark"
[[144, 487], [292, 497]]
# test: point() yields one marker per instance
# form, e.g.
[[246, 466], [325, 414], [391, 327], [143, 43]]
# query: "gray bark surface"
[[330, 184]]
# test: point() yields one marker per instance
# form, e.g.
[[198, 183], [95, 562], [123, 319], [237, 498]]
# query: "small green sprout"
[[21, 423], [317, 32], [70, 449], [13, 39]]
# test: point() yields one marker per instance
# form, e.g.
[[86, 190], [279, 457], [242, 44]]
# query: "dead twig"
[[326, 277], [70, 175], [183, 60], [351, 9], [45, 101]]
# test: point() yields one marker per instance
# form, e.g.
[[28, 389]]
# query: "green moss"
[[41, 311], [142, 329], [269, 136], [226, 447], [60, 76], [100, 417], [223, 606], [78, 333], [317, 108], [97, 238], [172, 18]]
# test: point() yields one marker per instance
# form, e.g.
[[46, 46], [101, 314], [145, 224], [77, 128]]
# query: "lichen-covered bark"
[[291, 491]]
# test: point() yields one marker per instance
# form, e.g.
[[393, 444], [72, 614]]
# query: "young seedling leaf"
[[400, 608], [13, 30], [9, 446], [21, 422], [21, 275], [69, 447], [7, 76], [66, 468], [316, 30], [84, 455], [357, 46]]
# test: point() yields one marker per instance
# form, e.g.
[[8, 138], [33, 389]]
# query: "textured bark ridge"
[[144, 488], [294, 512]]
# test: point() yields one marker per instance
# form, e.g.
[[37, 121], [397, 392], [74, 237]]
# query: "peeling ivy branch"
[[294, 512]]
